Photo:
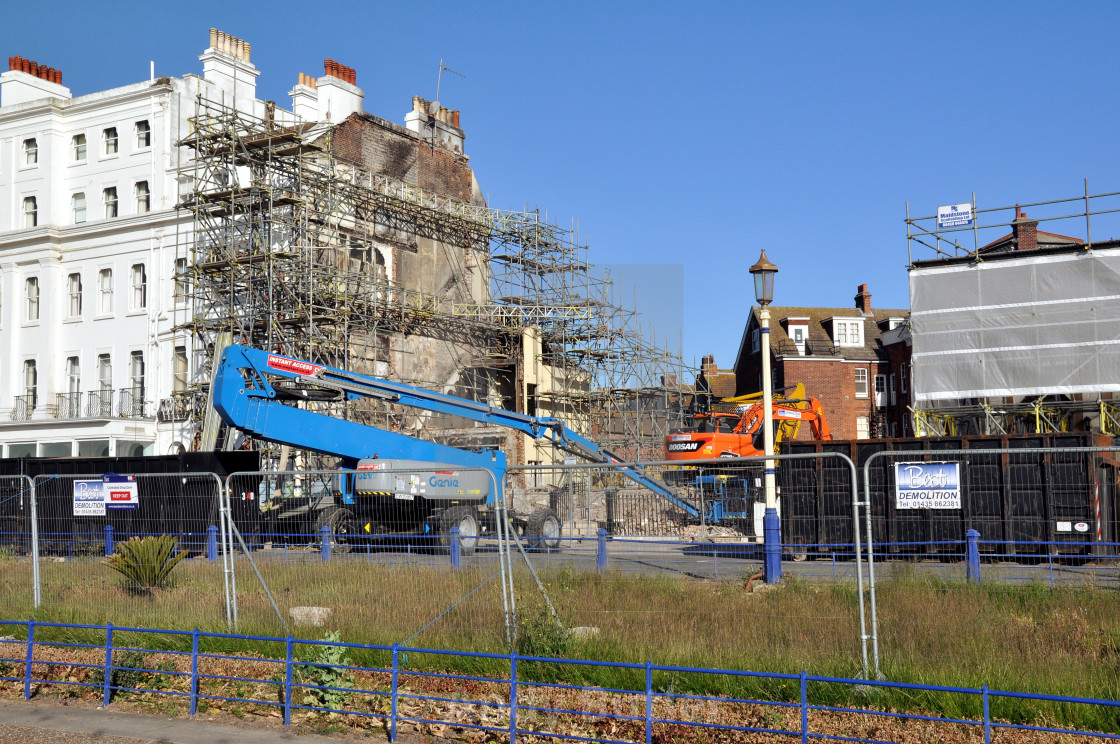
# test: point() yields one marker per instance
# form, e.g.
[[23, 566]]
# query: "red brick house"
[[838, 353]]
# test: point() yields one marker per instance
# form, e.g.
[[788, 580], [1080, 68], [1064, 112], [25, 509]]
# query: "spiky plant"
[[146, 562]]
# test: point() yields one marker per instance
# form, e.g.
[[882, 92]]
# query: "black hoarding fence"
[[1031, 494], [87, 522]]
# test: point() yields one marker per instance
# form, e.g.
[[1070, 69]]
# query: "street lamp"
[[764, 272]]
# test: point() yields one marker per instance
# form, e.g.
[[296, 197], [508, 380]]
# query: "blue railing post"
[[972, 539], [804, 707], [288, 654], [987, 719], [326, 542], [212, 543], [30, 659], [649, 702], [601, 550], [772, 548], [108, 540], [107, 670], [513, 698], [456, 548], [393, 693], [194, 672]]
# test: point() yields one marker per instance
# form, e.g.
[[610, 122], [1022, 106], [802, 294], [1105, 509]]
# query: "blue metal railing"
[[640, 710]]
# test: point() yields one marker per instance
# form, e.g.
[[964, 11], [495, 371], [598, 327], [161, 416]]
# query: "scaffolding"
[[281, 253], [930, 245]]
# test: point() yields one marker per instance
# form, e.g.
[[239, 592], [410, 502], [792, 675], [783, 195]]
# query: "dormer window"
[[798, 331], [847, 331]]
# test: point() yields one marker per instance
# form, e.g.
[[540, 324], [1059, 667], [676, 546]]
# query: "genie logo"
[[436, 482]]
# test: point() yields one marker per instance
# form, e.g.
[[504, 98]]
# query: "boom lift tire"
[[343, 527], [466, 519], [542, 530]]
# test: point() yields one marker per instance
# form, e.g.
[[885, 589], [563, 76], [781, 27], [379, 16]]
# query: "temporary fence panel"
[[83, 521], [17, 565], [369, 549]]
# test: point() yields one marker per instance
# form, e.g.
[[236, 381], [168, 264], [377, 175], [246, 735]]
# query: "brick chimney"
[[1024, 231], [708, 365], [863, 300], [27, 80]]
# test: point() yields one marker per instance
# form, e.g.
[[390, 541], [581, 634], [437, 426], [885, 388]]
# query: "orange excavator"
[[733, 426]]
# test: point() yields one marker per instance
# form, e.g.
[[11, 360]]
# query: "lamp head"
[[764, 272]]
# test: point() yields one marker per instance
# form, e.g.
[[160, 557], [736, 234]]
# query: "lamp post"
[[763, 273]]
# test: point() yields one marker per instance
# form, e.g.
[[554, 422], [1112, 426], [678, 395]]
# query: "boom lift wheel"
[[543, 529], [343, 527], [466, 519]]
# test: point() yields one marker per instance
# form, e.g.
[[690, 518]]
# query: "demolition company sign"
[[927, 485], [92, 498]]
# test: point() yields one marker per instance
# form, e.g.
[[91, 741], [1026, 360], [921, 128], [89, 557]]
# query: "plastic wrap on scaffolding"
[[1035, 325]]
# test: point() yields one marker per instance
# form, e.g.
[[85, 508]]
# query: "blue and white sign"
[[927, 485], [92, 498], [954, 215]]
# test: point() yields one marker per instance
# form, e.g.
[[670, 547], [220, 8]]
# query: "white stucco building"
[[93, 250]]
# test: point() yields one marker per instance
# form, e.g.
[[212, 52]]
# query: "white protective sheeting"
[[1028, 325]]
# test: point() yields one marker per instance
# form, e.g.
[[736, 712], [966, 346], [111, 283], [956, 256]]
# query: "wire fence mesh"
[[96, 554]]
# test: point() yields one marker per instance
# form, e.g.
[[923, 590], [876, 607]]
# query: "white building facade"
[[94, 255]]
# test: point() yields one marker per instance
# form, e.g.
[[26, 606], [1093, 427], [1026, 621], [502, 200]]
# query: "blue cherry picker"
[[403, 484]]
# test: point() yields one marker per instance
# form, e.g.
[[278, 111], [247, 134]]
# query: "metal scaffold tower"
[[279, 255]]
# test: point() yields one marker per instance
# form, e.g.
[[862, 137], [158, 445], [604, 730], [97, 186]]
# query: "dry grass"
[[1033, 638]]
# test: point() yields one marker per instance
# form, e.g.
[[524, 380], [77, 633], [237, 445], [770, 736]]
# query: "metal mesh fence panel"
[[370, 553], [88, 524], [16, 542]]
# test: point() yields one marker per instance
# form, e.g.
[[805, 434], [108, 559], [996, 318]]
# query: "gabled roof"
[[820, 343]]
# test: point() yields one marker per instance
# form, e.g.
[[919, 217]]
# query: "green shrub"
[[324, 672], [146, 562]]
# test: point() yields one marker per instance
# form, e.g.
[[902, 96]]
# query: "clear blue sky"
[[690, 135]]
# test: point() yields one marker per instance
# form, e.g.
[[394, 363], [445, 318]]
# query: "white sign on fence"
[[93, 497], [954, 215], [927, 485]]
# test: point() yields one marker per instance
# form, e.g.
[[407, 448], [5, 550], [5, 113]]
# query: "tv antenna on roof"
[[439, 79]]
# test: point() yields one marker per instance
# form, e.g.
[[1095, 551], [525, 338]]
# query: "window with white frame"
[[179, 370], [143, 134], [31, 292], [104, 373], [105, 291], [756, 342], [74, 293], [847, 332], [78, 207], [136, 372], [30, 211], [109, 137], [894, 396], [78, 147], [861, 382], [863, 427], [73, 375], [880, 390], [902, 378], [139, 299], [110, 197], [182, 281], [30, 151], [30, 382], [143, 197]]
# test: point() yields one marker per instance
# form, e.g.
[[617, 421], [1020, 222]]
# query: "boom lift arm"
[[245, 398]]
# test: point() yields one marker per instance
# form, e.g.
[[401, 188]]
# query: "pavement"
[[51, 723]]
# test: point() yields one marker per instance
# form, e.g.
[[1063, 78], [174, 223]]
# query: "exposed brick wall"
[[444, 172], [834, 384]]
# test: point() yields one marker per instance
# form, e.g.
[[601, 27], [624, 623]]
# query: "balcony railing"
[[24, 406], [99, 403], [68, 405], [808, 348], [131, 403], [179, 407]]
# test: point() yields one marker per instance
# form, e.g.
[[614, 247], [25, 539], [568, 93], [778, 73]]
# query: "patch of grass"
[[1020, 637]]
